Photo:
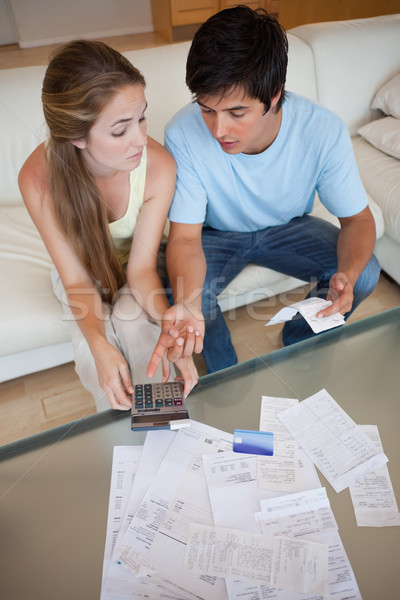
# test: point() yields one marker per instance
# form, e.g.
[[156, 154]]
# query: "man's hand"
[[188, 323], [182, 333], [354, 249], [340, 294]]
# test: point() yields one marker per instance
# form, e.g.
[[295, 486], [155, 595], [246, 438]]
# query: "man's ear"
[[275, 99], [81, 143]]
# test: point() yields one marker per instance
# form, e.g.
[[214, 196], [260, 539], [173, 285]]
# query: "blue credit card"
[[253, 442]]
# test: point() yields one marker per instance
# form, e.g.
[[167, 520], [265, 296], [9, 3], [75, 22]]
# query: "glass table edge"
[[56, 434], [327, 337]]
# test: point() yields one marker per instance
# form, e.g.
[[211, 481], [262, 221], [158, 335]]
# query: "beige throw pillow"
[[387, 99], [384, 134]]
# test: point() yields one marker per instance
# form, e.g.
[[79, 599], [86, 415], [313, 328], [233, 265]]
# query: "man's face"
[[238, 122]]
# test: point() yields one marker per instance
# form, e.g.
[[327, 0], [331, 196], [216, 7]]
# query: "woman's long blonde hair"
[[82, 77]]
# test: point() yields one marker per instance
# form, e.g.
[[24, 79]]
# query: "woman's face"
[[116, 140]]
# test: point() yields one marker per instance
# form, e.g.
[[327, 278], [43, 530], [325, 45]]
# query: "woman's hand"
[[114, 376]]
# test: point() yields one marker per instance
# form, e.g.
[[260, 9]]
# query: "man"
[[250, 158]]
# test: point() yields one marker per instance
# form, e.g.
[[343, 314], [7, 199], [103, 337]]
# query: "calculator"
[[158, 406]]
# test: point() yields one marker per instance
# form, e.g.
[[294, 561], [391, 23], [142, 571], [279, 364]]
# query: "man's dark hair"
[[239, 48]]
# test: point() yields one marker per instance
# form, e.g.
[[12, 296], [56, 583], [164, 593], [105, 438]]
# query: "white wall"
[[41, 22], [8, 34]]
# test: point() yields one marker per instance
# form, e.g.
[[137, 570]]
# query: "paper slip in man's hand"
[[309, 308]]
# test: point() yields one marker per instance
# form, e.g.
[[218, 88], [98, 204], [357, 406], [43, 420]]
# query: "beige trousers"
[[128, 328]]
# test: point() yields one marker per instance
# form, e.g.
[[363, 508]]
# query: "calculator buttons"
[[158, 405], [157, 396]]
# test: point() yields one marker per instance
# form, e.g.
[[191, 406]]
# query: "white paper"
[[300, 566], [280, 471], [295, 504], [308, 515], [287, 563], [220, 552], [141, 589], [337, 446], [373, 497], [177, 497], [124, 465], [155, 447], [296, 515], [235, 492], [118, 581], [309, 308], [236, 498]]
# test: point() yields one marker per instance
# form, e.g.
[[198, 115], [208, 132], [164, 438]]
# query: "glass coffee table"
[[54, 487]]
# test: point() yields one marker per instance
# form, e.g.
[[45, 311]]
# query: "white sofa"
[[340, 65]]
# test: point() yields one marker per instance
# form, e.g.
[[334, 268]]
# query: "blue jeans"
[[304, 248]]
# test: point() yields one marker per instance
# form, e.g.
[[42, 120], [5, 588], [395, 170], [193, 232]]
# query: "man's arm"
[[186, 264], [355, 246]]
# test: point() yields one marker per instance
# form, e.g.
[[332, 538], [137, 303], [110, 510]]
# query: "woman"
[[94, 181]]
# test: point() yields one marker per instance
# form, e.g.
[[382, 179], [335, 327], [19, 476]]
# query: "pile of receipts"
[[191, 519]]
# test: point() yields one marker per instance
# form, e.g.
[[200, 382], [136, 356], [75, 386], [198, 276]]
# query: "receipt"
[[338, 447], [287, 563], [309, 308], [373, 497]]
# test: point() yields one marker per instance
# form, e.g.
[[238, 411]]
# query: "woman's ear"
[[81, 143]]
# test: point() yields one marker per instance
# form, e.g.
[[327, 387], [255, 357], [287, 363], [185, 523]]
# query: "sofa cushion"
[[255, 283], [380, 174], [384, 134], [22, 124], [32, 316]]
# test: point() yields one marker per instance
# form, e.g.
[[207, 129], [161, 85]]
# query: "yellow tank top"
[[122, 229]]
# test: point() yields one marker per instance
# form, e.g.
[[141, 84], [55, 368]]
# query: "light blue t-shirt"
[[242, 192]]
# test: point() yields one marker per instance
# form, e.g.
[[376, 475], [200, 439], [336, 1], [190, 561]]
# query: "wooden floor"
[[34, 403]]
